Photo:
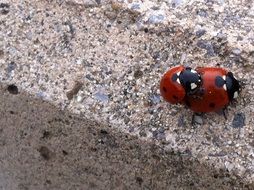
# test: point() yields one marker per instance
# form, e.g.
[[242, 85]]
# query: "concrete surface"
[[102, 61], [43, 147]]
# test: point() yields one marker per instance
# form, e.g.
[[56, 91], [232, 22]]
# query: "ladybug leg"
[[223, 112], [197, 118], [242, 85], [218, 65]]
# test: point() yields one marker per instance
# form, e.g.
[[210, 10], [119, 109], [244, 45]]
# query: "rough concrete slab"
[[103, 61]]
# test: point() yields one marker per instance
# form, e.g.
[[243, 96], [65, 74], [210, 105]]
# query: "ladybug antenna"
[[242, 85]]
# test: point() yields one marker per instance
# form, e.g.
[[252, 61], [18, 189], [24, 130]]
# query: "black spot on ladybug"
[[212, 105], [175, 97], [219, 81], [174, 77], [164, 89], [13, 89], [187, 103], [238, 121]]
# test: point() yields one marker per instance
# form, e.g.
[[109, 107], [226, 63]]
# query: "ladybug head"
[[190, 80], [233, 86]]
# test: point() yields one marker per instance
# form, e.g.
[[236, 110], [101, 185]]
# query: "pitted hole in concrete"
[[65, 153], [13, 89], [1, 53], [138, 74], [139, 180], [103, 131], [93, 149], [45, 152], [48, 182], [45, 134], [4, 8]]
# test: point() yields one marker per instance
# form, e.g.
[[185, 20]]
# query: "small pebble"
[[135, 6], [181, 122], [155, 19], [208, 46], [11, 67], [158, 134], [202, 13], [197, 119], [200, 32], [236, 51], [101, 97], [41, 94], [176, 3], [238, 121], [74, 91], [155, 99]]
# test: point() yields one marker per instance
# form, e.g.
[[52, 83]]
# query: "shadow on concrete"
[[43, 147]]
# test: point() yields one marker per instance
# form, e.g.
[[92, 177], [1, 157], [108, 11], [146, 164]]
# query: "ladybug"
[[178, 82], [219, 88]]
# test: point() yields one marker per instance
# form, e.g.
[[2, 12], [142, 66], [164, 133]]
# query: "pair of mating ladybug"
[[205, 89]]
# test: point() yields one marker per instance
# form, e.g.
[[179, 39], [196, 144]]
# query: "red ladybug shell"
[[170, 90], [212, 95]]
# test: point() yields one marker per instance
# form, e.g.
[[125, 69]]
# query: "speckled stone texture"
[[98, 64]]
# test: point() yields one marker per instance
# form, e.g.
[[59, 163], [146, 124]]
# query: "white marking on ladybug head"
[[224, 77], [178, 73], [193, 86], [235, 94], [178, 81], [193, 71], [225, 87]]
